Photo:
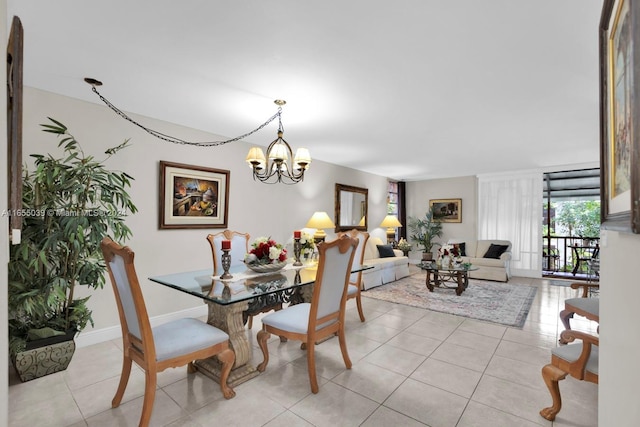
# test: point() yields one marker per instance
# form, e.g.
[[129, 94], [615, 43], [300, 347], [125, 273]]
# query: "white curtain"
[[510, 208]]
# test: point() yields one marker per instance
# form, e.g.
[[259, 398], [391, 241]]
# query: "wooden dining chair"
[[239, 248], [582, 306], [169, 345], [323, 317], [580, 360], [355, 280]]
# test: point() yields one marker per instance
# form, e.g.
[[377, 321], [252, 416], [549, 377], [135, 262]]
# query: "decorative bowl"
[[266, 268]]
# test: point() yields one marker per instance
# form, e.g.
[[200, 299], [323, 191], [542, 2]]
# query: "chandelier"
[[279, 165]]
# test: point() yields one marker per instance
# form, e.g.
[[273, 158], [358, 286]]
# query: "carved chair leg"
[[311, 366], [343, 348], [250, 322], [149, 396], [359, 305], [227, 357], [124, 379], [263, 336], [551, 375]]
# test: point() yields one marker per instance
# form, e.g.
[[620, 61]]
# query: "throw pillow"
[[461, 248], [386, 251], [495, 251]]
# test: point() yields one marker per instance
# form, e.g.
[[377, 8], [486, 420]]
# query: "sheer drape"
[[510, 208]]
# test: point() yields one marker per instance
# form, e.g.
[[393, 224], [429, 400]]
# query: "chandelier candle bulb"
[[226, 245]]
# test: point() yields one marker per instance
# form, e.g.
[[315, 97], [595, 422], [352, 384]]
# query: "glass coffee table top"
[[433, 266]]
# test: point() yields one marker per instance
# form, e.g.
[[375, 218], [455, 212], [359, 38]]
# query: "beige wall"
[[619, 333], [261, 210]]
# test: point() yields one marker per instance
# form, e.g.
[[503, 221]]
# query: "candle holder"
[[296, 251], [226, 264]]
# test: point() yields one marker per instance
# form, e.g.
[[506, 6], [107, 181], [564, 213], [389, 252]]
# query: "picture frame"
[[193, 196], [446, 210], [15, 55], [619, 138]]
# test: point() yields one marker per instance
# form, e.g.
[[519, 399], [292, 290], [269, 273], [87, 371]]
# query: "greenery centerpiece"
[[424, 232], [404, 246], [69, 204]]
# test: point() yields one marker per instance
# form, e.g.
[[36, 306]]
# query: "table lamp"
[[320, 221], [391, 222]]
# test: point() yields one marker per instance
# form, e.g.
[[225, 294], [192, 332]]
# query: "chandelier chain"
[[175, 140]]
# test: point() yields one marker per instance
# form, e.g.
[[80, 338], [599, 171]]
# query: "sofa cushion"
[[386, 251], [495, 251], [461, 248]]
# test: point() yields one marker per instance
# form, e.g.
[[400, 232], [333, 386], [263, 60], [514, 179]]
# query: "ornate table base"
[[460, 278], [229, 318]]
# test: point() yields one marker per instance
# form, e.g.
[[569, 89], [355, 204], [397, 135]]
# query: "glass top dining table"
[[229, 302], [245, 285]]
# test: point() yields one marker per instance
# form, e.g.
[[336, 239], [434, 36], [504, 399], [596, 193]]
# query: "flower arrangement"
[[404, 246], [449, 250], [265, 251], [307, 244]]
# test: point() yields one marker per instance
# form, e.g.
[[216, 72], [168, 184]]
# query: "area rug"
[[503, 303]]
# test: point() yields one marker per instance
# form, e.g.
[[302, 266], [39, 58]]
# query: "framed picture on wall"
[[193, 196], [619, 137], [447, 210]]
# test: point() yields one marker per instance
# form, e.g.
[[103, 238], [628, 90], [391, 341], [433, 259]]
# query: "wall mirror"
[[351, 208]]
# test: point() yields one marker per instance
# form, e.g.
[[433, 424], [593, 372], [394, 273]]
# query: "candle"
[[226, 244], [296, 234]]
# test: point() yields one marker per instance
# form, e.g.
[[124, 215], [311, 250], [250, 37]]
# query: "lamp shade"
[[320, 220], [390, 221], [255, 156]]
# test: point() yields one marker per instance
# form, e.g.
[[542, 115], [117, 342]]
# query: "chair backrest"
[[134, 319], [358, 257], [239, 248], [330, 288]]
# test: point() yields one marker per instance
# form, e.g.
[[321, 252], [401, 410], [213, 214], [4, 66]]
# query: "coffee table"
[[440, 276]]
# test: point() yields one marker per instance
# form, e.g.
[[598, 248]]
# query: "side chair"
[[323, 317], [169, 345], [582, 306], [355, 281], [239, 248], [580, 360]]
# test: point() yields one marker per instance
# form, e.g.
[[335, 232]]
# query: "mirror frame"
[[339, 189]]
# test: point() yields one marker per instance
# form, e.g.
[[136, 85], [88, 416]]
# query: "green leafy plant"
[[425, 230], [69, 205]]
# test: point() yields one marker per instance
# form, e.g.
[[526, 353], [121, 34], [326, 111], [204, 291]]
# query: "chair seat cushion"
[[572, 352], [184, 336], [294, 318], [588, 305]]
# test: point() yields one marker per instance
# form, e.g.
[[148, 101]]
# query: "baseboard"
[[87, 338]]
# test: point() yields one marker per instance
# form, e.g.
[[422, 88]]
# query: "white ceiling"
[[411, 89]]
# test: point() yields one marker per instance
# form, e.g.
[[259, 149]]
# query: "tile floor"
[[411, 367]]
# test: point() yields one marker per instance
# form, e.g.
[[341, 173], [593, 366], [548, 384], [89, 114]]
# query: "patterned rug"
[[504, 303]]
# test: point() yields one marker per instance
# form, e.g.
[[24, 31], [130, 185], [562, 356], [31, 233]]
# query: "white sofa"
[[385, 269], [488, 268]]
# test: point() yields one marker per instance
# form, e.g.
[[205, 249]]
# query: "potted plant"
[[69, 205], [424, 230]]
